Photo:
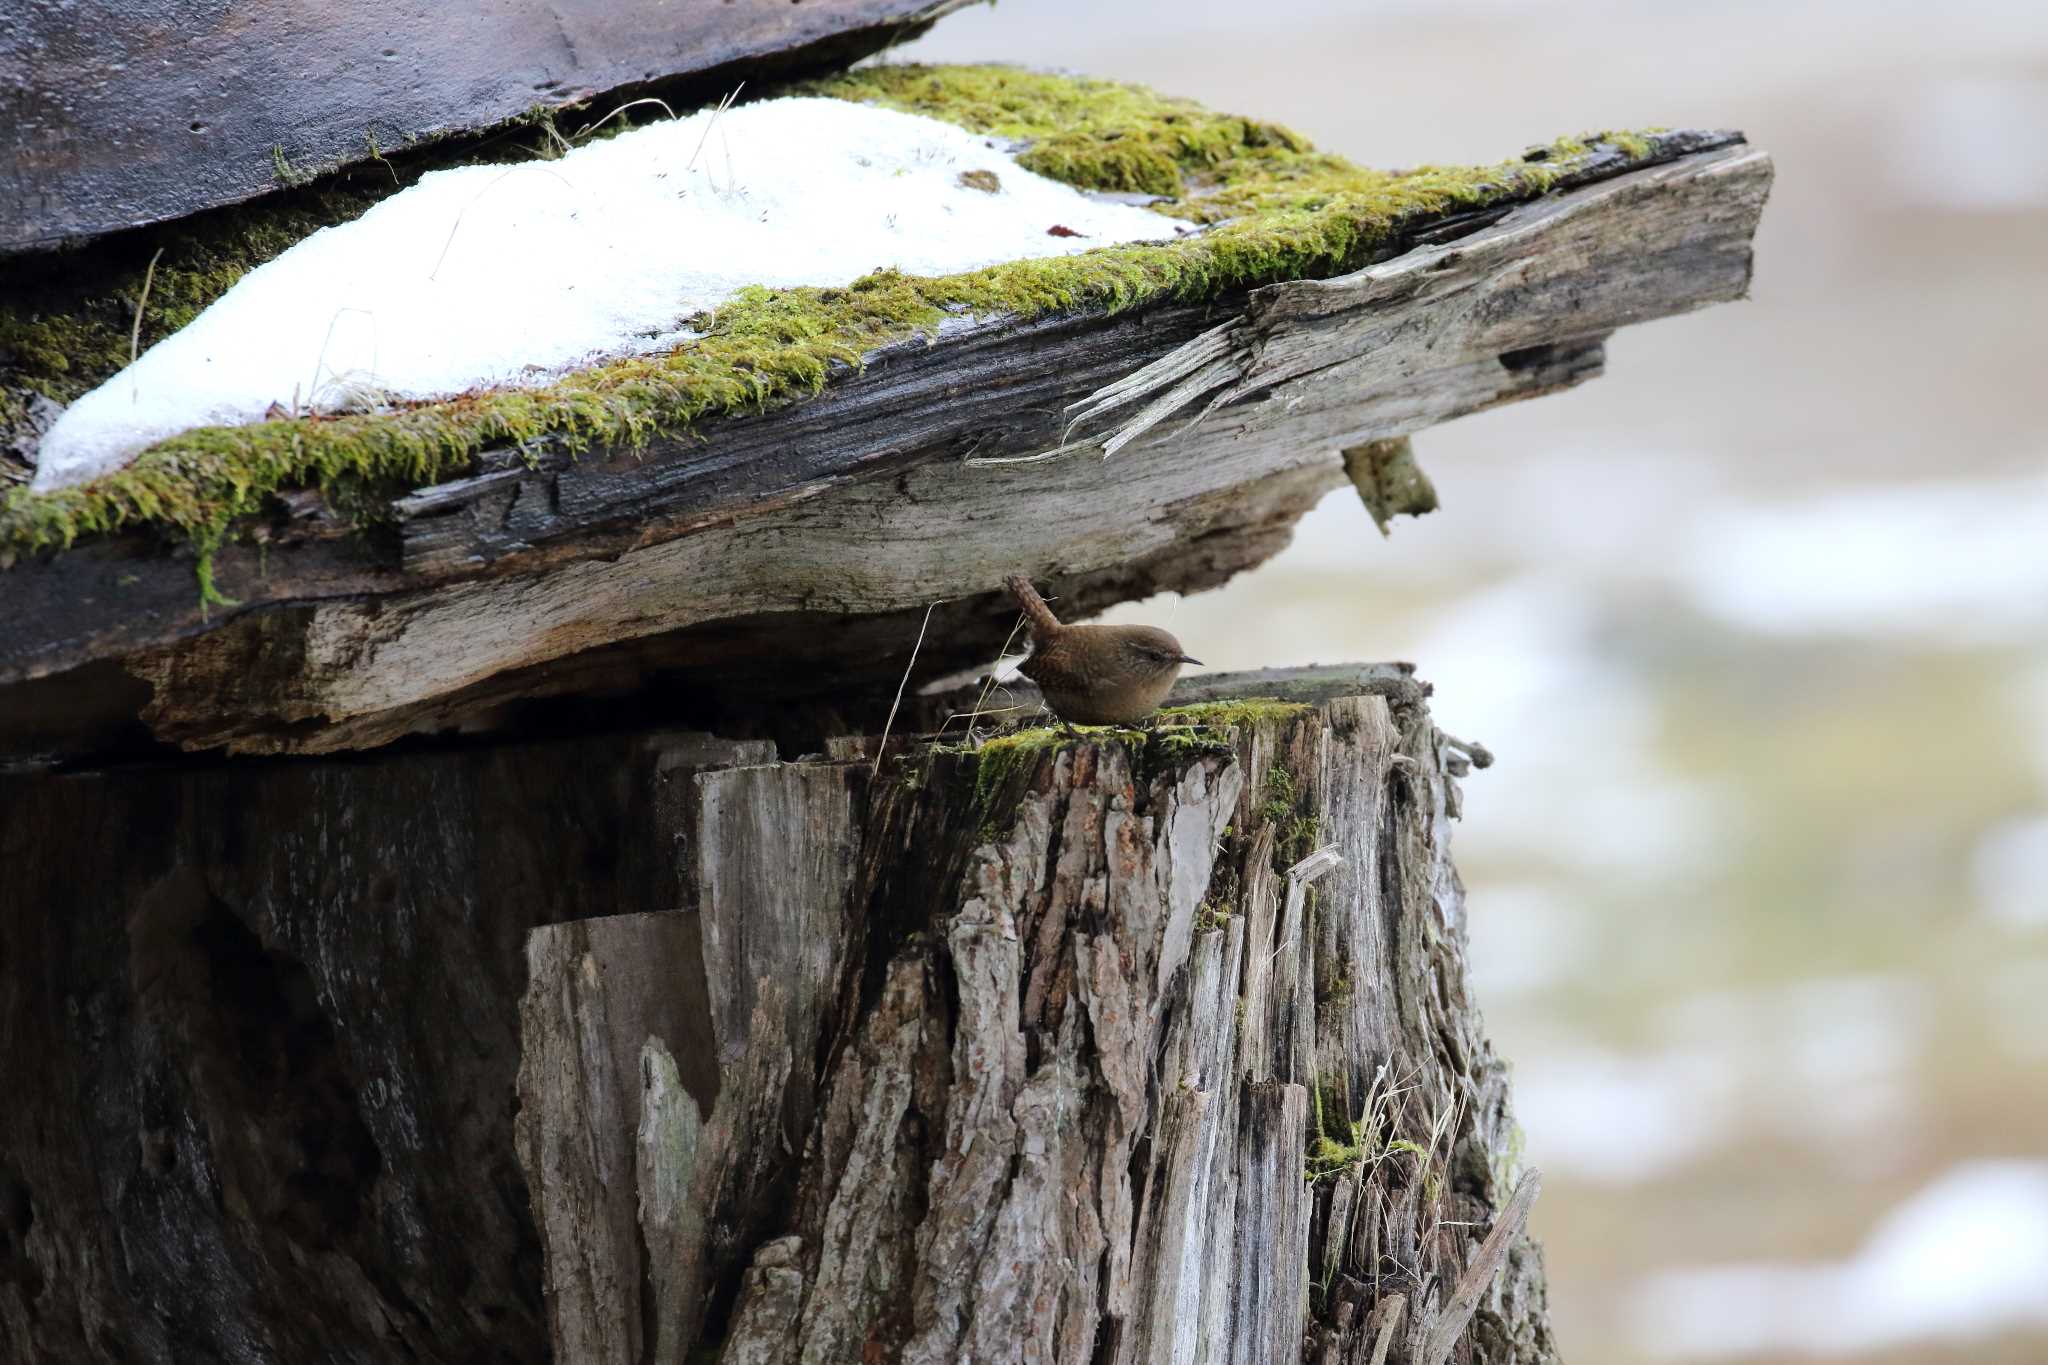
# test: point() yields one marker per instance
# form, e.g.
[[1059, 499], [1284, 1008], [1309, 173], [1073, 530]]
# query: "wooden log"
[[1127, 1048], [153, 110], [731, 566]]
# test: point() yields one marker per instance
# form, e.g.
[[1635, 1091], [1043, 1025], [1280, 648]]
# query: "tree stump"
[[1124, 1048]]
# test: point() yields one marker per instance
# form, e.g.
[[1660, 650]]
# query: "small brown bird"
[[1097, 675]]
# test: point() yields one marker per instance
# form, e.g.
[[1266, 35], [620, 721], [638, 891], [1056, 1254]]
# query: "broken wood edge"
[[342, 668], [1485, 1265], [1230, 361], [366, 569]]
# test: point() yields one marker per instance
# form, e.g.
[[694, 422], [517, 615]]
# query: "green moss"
[[1093, 133], [1219, 714], [1296, 826], [1280, 796], [1327, 1158], [1275, 209], [288, 175], [1177, 747], [998, 759]]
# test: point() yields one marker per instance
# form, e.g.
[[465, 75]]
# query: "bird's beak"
[[1187, 658]]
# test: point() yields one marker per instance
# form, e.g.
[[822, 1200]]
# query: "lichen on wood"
[[1389, 481]]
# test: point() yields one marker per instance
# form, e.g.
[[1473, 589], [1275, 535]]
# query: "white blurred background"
[[1758, 626]]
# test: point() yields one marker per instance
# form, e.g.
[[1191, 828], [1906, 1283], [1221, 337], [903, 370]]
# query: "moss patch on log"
[[1248, 711], [1270, 206]]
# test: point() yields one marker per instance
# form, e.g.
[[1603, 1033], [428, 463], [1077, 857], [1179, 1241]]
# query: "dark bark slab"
[[261, 1026], [119, 113]]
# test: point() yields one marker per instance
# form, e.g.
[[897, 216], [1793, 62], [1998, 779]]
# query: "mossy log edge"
[[794, 552]]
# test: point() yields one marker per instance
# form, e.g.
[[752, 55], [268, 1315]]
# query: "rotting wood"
[[1016, 1054], [853, 511], [1389, 481]]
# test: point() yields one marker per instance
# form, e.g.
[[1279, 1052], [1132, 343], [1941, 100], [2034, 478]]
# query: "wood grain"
[[846, 516], [615, 1049]]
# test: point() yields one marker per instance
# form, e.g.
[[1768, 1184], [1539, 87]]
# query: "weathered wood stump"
[[667, 1039], [1120, 1049]]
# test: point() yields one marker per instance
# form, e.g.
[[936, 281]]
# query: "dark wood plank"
[[119, 113]]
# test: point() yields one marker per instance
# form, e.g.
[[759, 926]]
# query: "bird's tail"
[[1043, 622]]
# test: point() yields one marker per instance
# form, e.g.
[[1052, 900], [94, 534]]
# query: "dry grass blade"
[[723, 105], [882, 746], [142, 302], [622, 109], [981, 701], [320, 361]]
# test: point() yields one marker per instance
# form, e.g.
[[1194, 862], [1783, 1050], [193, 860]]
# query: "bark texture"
[[1143, 1052], [1108, 1050]]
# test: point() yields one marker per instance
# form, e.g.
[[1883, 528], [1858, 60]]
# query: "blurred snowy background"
[[1758, 625]]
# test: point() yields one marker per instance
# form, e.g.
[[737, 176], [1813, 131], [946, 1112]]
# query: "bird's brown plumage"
[[1097, 675]]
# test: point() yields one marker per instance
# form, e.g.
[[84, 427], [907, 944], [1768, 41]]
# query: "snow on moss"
[[492, 276]]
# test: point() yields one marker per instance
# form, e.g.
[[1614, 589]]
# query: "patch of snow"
[[1524, 659], [1616, 1119], [1965, 1257], [1966, 561], [509, 275], [2010, 870]]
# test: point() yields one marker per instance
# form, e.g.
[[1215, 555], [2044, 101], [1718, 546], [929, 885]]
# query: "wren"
[[1096, 675]]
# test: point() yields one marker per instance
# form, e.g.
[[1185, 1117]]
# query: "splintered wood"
[[796, 551], [1133, 1051]]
